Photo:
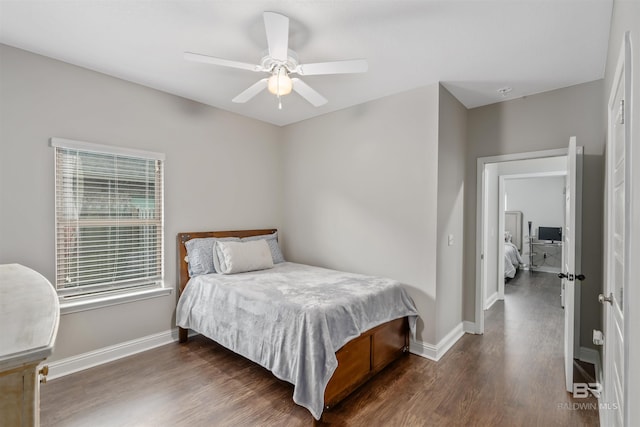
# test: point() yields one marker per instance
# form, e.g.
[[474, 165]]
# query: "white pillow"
[[238, 257]]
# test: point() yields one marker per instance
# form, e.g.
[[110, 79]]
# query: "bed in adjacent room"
[[324, 331], [512, 243], [512, 260]]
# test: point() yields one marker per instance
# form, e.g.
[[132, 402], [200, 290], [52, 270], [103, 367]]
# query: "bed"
[[512, 243], [512, 260], [324, 331], [513, 228]]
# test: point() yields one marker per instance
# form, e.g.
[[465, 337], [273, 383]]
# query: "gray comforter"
[[292, 318], [512, 260]]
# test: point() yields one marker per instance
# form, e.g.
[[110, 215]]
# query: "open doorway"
[[495, 174], [492, 172], [532, 214]]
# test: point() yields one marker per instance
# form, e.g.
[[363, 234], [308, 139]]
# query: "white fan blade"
[[277, 27], [219, 61], [251, 91], [335, 67], [308, 93]]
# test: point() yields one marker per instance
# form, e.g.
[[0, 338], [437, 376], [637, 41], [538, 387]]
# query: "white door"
[[617, 243], [571, 275]]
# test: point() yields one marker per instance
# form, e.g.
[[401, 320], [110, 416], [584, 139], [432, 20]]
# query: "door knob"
[[602, 299], [571, 277]]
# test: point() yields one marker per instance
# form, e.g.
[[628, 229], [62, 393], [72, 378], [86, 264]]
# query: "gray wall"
[[222, 172], [541, 122], [452, 141], [361, 190], [377, 189]]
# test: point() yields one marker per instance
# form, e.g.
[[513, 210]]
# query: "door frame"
[[481, 241]]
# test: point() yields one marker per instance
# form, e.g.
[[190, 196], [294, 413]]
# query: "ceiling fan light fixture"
[[281, 63], [280, 83]]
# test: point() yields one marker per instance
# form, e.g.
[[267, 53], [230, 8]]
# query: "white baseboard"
[[470, 327], [80, 362], [491, 300], [429, 351], [423, 349]]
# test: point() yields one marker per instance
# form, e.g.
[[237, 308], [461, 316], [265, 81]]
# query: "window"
[[109, 219]]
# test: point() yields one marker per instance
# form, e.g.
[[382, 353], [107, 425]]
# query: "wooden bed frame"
[[358, 360]]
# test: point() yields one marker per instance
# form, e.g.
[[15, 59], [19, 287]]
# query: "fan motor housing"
[[269, 64]]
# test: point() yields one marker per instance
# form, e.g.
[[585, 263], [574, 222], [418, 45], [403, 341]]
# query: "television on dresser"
[[550, 233]]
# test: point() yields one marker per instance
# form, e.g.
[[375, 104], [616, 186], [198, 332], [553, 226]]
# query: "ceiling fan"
[[281, 62]]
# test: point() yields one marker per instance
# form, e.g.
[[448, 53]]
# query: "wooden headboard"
[[183, 272]]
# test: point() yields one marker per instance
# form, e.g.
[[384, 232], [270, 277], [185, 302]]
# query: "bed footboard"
[[363, 357]]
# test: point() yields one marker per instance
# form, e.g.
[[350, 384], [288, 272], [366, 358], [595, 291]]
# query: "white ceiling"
[[474, 47]]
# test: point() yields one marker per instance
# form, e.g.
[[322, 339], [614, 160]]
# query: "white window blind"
[[109, 218]]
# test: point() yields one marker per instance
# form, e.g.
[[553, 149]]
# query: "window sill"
[[95, 302]]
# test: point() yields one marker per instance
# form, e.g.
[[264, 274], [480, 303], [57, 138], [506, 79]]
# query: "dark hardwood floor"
[[510, 376]]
